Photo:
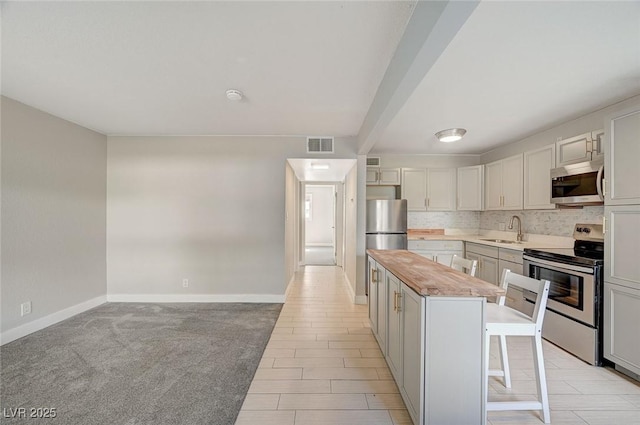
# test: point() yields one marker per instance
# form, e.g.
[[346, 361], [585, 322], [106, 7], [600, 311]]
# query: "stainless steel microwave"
[[578, 184]]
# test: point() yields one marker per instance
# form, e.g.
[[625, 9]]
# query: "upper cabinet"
[[537, 181], [432, 189], [503, 184], [622, 173], [383, 176], [441, 189], [414, 188], [585, 147], [470, 188]]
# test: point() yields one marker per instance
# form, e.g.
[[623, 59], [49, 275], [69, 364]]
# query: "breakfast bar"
[[429, 321]]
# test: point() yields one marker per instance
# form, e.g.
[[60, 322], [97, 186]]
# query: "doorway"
[[320, 225]]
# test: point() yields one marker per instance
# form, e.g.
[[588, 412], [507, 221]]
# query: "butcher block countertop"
[[429, 278]]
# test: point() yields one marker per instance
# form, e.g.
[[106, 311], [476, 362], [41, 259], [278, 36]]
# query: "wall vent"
[[373, 161], [319, 144]]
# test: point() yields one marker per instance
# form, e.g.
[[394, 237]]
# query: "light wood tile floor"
[[322, 366]]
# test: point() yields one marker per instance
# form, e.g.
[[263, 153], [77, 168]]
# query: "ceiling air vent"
[[319, 144], [373, 161]]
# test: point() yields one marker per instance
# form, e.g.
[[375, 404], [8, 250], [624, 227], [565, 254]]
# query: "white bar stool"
[[504, 321], [464, 265]]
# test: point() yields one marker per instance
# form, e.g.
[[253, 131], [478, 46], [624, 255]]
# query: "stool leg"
[[504, 361], [541, 377]]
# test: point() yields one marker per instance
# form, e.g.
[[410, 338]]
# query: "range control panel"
[[588, 232]]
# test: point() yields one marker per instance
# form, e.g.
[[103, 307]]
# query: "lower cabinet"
[[405, 355], [621, 318], [439, 251], [394, 322], [412, 340], [377, 282], [434, 349], [487, 258]]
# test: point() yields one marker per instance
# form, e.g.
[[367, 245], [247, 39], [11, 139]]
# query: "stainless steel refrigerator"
[[387, 224]]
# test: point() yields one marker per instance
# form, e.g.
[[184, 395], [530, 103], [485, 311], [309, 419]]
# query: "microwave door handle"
[[599, 182]]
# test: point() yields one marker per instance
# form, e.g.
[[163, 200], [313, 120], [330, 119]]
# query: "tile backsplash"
[[444, 220], [558, 222]]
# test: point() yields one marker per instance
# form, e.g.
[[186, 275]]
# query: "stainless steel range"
[[573, 319]]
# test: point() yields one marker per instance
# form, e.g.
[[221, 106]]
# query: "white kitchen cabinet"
[[584, 147], [439, 251], [441, 189], [512, 260], [373, 273], [487, 258], [503, 184], [537, 181], [414, 188], [394, 330], [377, 301], [622, 245], [622, 171], [470, 188], [412, 341], [621, 332], [383, 176], [381, 328]]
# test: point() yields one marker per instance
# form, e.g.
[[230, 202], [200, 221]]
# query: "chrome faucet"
[[519, 235]]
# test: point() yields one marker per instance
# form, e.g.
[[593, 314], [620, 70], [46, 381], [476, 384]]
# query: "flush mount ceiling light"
[[451, 134], [234, 95], [319, 166]]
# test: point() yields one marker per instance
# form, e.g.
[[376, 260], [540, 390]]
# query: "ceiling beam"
[[432, 26]]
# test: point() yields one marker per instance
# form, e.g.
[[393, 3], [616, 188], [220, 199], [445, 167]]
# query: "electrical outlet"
[[25, 308], [501, 226], [185, 283]]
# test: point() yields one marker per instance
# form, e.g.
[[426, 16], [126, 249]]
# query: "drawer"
[[486, 250], [510, 255], [435, 245]]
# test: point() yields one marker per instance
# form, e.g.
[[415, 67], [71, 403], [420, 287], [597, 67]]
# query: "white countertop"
[[530, 240]]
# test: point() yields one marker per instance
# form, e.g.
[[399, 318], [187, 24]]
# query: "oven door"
[[572, 292]]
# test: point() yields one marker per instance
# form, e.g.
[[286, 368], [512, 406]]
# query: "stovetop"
[[567, 256], [588, 248]]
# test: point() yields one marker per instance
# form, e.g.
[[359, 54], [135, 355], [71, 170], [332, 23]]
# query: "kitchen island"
[[429, 321]]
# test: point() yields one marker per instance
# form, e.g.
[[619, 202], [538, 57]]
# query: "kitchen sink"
[[499, 240]]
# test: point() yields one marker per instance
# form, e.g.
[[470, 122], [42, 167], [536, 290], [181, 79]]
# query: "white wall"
[[292, 215], [589, 122], [319, 227], [53, 217], [209, 209], [350, 226]]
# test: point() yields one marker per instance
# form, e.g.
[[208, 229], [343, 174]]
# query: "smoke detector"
[[234, 95]]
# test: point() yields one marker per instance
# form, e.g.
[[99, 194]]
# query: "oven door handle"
[[555, 266]]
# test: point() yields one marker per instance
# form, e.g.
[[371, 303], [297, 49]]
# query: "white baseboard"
[[357, 299], [195, 298], [361, 299], [51, 319]]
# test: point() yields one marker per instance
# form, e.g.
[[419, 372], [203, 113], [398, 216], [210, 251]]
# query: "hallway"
[[323, 366]]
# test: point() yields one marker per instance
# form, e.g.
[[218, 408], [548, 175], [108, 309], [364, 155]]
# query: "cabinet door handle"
[[428, 201], [398, 297], [589, 146], [604, 225], [395, 301], [374, 278]]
